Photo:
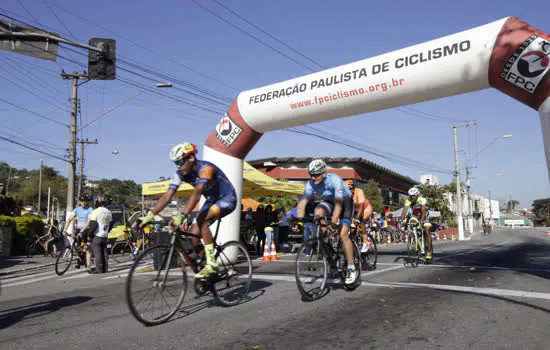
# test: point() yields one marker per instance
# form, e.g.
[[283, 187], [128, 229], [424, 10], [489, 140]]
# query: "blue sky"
[[184, 44]]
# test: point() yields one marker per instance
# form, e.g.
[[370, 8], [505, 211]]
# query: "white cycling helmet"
[[316, 167], [414, 191], [182, 150]]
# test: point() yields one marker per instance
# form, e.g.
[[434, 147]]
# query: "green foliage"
[[287, 201], [124, 192], [436, 197], [7, 221], [541, 211], [512, 204], [25, 227], [372, 192]]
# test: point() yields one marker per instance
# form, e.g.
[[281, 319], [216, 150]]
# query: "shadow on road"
[[12, 316], [257, 288]]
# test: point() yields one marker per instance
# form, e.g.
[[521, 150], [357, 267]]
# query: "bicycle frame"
[[173, 246]]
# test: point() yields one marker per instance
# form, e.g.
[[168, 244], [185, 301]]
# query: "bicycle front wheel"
[[64, 260], [234, 276], [370, 256], [30, 249], [156, 287], [311, 270], [413, 252], [356, 262], [121, 252]]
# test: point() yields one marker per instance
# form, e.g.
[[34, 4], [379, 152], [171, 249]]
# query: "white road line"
[[475, 290]]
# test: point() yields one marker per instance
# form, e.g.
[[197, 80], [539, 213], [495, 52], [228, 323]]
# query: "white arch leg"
[[233, 168], [544, 112]]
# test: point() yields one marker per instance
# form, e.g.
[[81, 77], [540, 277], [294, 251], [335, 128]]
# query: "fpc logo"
[[527, 67], [227, 131]]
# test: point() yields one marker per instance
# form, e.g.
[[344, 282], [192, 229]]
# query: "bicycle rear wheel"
[[121, 251], [234, 276], [64, 260], [311, 270], [30, 248], [370, 257], [152, 276]]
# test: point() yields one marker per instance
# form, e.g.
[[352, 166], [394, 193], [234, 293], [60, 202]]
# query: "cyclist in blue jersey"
[[332, 198], [208, 181]]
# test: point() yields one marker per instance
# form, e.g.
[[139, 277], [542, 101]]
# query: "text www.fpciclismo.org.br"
[[342, 94]]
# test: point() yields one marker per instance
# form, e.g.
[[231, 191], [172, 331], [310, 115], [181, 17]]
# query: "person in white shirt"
[[100, 224]]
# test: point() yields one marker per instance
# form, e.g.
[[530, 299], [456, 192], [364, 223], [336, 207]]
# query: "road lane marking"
[[474, 290]]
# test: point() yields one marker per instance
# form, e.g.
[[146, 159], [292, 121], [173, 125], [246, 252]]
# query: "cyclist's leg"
[[208, 214], [427, 227], [345, 223]]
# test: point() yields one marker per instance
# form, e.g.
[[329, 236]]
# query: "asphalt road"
[[491, 292]]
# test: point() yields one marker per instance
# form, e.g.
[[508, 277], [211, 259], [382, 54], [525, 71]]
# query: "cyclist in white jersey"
[[100, 225]]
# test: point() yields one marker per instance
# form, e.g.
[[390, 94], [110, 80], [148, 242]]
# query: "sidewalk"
[[22, 263]]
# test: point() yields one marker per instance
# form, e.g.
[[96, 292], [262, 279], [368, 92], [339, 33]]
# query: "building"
[[429, 179], [393, 186]]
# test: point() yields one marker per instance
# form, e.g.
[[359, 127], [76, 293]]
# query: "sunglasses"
[[180, 162], [315, 176]]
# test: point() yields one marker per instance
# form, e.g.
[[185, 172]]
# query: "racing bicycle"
[[417, 244], [73, 250], [369, 257], [321, 257], [159, 273]]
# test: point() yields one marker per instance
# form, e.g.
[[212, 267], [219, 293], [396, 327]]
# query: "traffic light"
[[101, 66]]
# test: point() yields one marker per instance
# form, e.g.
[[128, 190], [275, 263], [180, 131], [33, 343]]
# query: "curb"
[[34, 267]]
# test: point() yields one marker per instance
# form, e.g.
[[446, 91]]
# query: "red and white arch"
[[508, 55]]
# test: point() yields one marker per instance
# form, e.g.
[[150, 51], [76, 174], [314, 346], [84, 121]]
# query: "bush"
[[7, 221], [25, 227]]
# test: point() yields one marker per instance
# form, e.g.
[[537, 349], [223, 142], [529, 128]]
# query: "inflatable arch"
[[508, 55]]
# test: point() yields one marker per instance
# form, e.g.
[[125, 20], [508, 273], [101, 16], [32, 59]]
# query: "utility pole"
[[39, 186], [72, 150], [490, 207], [470, 211], [81, 176], [460, 223]]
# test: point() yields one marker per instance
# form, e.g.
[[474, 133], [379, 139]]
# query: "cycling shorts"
[[347, 210]]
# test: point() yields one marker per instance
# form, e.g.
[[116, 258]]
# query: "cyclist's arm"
[[404, 212], [360, 211], [338, 207], [367, 213], [301, 208], [163, 201], [69, 220], [424, 211]]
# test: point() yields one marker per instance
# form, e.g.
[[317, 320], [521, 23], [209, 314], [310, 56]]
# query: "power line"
[[271, 36], [32, 112], [33, 149], [252, 36]]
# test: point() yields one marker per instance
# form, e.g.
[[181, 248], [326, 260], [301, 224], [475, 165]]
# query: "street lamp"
[[505, 136], [72, 170], [158, 85]]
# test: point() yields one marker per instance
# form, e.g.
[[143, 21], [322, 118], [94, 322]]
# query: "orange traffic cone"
[[453, 237], [407, 239], [389, 241], [267, 257], [437, 236], [445, 237], [274, 256]]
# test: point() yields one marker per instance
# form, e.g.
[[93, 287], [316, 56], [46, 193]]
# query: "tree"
[[512, 204], [541, 211], [372, 192], [436, 196]]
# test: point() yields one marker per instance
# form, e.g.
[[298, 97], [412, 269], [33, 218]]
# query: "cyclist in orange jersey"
[[362, 209]]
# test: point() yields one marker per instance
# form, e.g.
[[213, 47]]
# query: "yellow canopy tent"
[[255, 184]]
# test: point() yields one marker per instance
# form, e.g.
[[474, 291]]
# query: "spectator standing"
[[100, 224], [284, 227], [260, 225]]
